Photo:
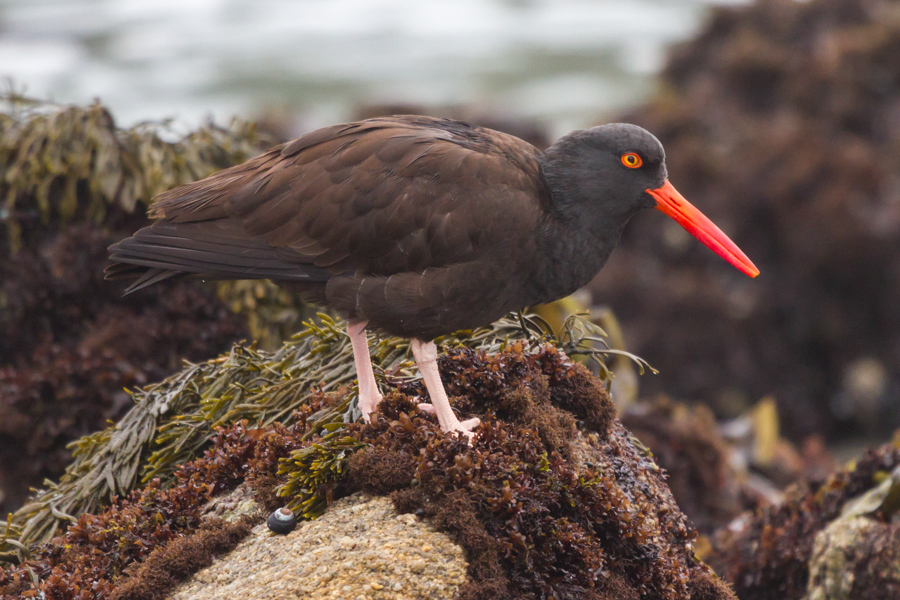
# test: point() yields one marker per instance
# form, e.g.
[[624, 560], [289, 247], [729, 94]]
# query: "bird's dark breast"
[[424, 305]]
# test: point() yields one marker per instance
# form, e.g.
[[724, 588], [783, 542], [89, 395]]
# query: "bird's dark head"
[[606, 174]]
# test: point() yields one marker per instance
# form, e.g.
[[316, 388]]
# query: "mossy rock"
[[553, 498]]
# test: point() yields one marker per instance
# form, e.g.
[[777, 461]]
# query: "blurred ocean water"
[[563, 62]]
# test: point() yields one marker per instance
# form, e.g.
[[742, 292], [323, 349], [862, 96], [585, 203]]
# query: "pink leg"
[[369, 396], [426, 358]]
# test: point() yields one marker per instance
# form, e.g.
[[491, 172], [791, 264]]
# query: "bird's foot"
[[455, 426], [368, 403]]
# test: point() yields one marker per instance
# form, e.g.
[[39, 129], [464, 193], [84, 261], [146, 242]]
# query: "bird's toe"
[[367, 405], [465, 428], [460, 427], [469, 424]]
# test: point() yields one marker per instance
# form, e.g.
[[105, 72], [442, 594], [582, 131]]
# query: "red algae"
[[767, 554], [553, 500]]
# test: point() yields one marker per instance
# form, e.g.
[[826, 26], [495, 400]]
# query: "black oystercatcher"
[[416, 226]]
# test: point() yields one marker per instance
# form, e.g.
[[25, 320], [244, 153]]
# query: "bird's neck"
[[578, 235]]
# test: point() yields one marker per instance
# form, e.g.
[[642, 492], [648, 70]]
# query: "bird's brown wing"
[[378, 197]]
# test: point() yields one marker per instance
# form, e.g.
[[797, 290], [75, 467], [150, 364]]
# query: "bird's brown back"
[[384, 219]]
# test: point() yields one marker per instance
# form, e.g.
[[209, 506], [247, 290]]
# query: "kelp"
[[553, 499], [172, 421], [63, 164], [71, 183]]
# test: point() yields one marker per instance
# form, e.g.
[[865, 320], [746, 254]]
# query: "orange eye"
[[631, 160]]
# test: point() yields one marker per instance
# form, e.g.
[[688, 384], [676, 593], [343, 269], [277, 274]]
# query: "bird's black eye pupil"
[[631, 160]]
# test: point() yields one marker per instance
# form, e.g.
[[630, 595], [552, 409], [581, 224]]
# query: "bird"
[[416, 227]]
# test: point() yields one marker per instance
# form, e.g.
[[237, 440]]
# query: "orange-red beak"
[[672, 203]]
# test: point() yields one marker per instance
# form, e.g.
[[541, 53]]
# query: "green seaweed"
[[541, 510], [69, 163]]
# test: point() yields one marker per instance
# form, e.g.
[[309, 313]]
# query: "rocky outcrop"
[[836, 539], [554, 497], [360, 548]]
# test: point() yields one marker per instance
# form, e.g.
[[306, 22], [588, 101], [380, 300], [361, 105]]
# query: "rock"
[[234, 505], [361, 547], [553, 498], [832, 540], [686, 443], [855, 558]]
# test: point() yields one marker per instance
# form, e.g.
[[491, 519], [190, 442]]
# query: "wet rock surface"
[[855, 558], [686, 443]]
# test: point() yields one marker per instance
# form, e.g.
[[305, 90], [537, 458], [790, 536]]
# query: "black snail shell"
[[282, 521]]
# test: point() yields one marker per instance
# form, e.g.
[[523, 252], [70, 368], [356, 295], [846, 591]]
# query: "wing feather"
[[378, 198]]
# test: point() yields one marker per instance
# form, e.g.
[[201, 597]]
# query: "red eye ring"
[[632, 160]]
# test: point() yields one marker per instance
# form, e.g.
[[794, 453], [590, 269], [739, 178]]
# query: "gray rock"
[[360, 548]]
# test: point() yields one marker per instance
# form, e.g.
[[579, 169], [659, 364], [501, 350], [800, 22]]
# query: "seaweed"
[[65, 164], [767, 553], [143, 543], [535, 520], [166, 566], [685, 442], [543, 510], [71, 183], [172, 420]]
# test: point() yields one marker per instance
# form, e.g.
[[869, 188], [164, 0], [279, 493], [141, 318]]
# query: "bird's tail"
[[216, 249]]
